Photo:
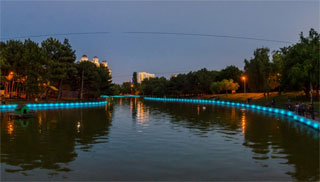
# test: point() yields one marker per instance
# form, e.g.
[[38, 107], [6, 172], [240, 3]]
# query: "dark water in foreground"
[[146, 140]]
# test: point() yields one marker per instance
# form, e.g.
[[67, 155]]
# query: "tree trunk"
[[81, 89], [306, 91], [6, 89], [60, 90], [47, 93], [311, 93], [12, 85], [18, 89]]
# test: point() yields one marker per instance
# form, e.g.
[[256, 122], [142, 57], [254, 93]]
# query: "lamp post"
[[244, 83]]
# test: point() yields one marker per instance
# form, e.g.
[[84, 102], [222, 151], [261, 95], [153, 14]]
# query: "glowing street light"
[[244, 78]]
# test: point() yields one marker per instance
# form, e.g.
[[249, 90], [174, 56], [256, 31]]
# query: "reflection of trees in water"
[[93, 125], [281, 140], [196, 117], [267, 136], [133, 108], [49, 140]]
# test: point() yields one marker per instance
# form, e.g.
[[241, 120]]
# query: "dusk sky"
[[162, 54]]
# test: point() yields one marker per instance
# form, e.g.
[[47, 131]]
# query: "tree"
[[155, 86], [115, 89], [106, 80], [216, 87], [203, 79], [12, 62], [225, 84], [61, 60], [300, 68], [126, 88], [258, 70], [26, 62], [135, 81], [89, 74], [230, 72], [35, 68]]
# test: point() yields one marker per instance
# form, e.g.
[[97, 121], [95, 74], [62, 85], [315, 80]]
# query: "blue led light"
[[315, 125], [301, 120]]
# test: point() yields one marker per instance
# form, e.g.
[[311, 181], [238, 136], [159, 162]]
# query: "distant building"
[[95, 61], [84, 58], [173, 75], [104, 63], [144, 75]]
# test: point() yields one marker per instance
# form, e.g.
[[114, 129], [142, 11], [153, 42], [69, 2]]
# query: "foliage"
[[115, 89], [226, 85], [126, 88], [230, 72], [300, 64], [216, 87], [27, 67], [135, 82], [257, 70], [291, 68], [193, 83], [61, 60], [154, 86], [35, 67]]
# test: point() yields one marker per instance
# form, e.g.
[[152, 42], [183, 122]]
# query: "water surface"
[[148, 140]]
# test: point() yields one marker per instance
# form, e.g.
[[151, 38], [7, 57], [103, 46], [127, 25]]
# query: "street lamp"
[[244, 83]]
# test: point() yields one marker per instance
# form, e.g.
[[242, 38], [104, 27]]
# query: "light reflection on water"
[[132, 139]]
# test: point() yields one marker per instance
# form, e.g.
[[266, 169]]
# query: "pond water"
[[148, 140]]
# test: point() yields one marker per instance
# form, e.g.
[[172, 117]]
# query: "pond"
[[135, 139]]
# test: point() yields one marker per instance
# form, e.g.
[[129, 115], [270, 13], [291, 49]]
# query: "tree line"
[[292, 68], [32, 70]]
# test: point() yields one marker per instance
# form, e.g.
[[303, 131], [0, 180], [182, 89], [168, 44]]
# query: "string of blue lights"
[[301, 119], [67, 104]]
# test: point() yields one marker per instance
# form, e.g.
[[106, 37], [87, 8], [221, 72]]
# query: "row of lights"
[[66, 104], [70, 104], [11, 106], [262, 108]]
